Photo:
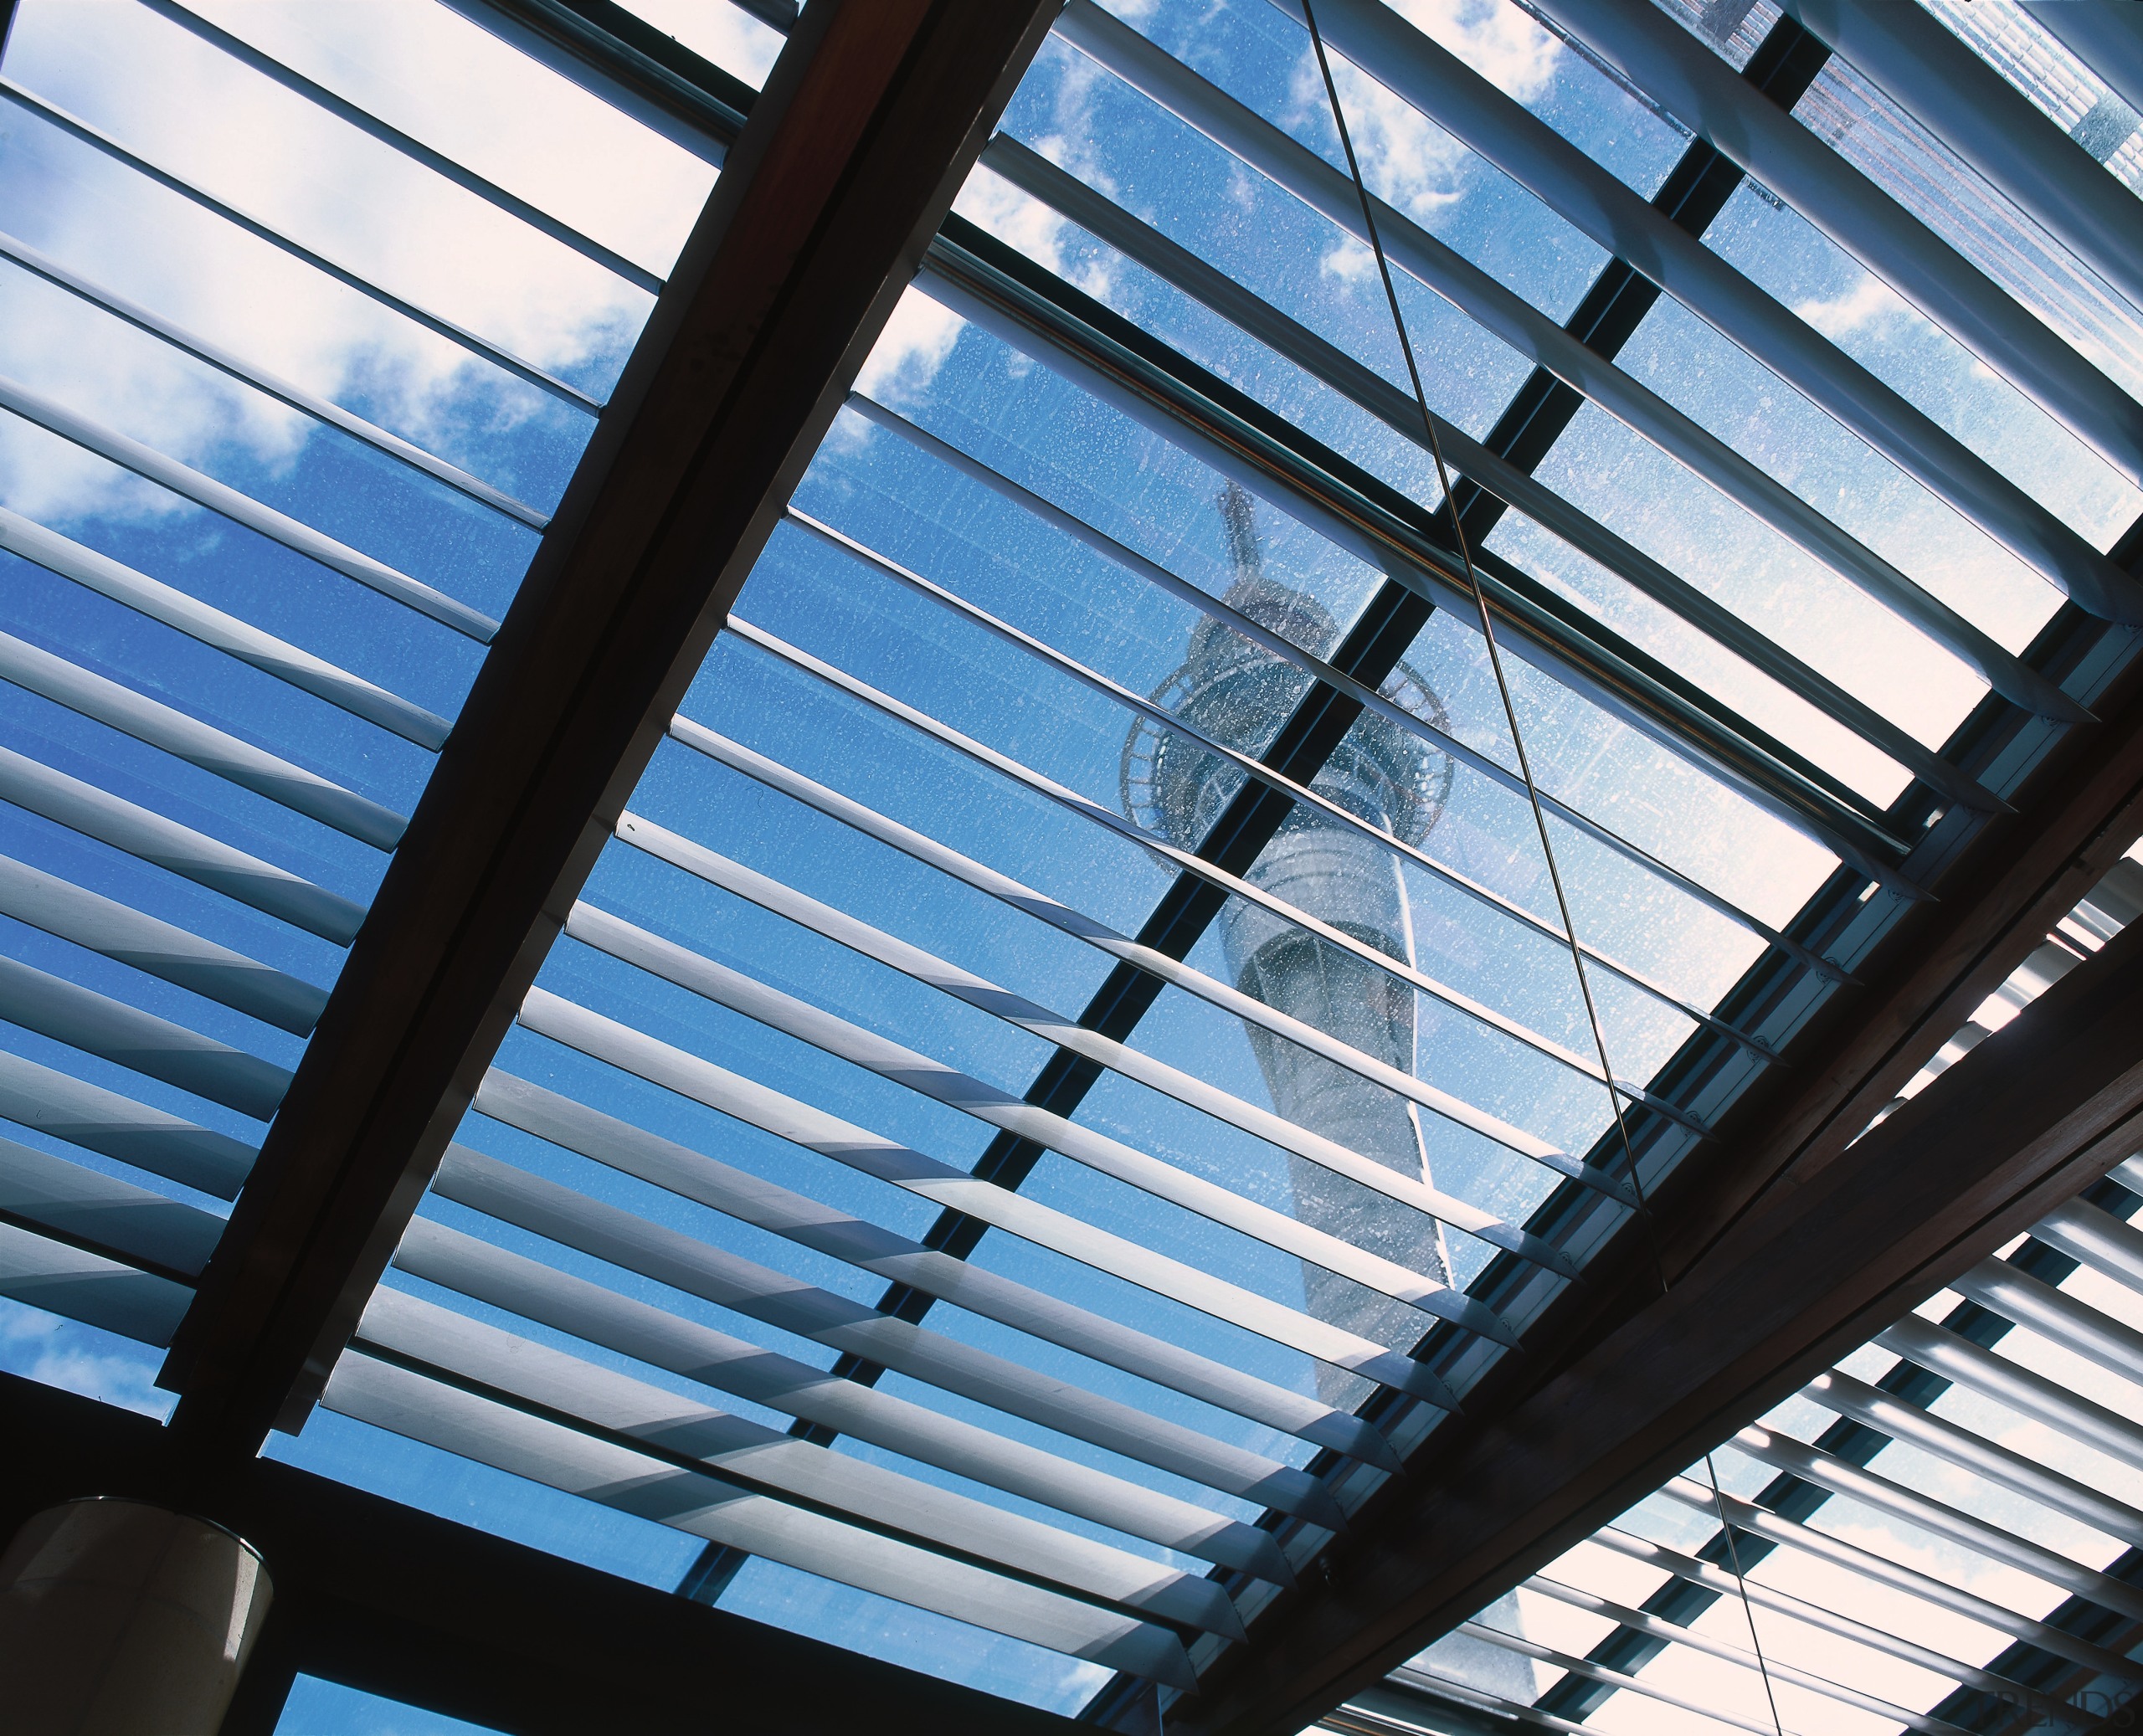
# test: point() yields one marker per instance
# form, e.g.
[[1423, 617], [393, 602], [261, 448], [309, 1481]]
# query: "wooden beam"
[[849, 159], [1797, 1246], [382, 1597]]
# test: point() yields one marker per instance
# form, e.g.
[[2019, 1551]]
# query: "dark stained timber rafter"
[[848, 161]]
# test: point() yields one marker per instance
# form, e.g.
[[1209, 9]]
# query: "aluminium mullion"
[[713, 1274], [158, 948], [928, 1077], [523, 1370], [297, 397], [1079, 925], [1992, 126], [242, 509], [693, 1175], [150, 837], [1248, 765], [952, 1188], [1667, 60], [75, 1203], [187, 738], [88, 1287], [365, 121], [1288, 651], [141, 1042], [1672, 1633], [461, 336], [1889, 1414], [237, 639], [1752, 492], [2038, 1306], [1591, 1672], [72, 1109], [490, 1274], [1840, 1476], [1072, 802], [1422, 72], [1297, 169], [1710, 1577], [1578, 651], [1957, 1358], [1760, 1521], [919, 966], [488, 1432]]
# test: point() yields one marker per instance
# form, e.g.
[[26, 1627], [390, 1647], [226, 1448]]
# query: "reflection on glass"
[[1394, 781]]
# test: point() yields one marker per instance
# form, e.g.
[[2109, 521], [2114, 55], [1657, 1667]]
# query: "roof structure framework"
[[754, 831]]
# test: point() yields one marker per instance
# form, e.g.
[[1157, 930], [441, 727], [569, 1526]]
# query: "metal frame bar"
[[2105, 38]]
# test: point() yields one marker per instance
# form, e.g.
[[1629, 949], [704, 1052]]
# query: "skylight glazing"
[[1070, 1066]]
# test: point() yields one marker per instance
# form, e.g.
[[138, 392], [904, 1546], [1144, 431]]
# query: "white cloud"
[[1498, 40], [1867, 303], [79, 1359], [911, 350]]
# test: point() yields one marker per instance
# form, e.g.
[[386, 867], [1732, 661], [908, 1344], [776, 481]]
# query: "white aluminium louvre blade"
[[1642, 1687], [2036, 1305], [689, 1075], [214, 750], [722, 1512], [588, 1310], [683, 1427], [698, 1268], [749, 1198], [1065, 920], [852, 1043], [35, 1096], [1613, 217], [2107, 38], [179, 850], [224, 632], [156, 948], [87, 1207], [87, 1287], [2096, 1238], [874, 944]]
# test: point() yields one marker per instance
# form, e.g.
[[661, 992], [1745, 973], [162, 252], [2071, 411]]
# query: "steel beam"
[[1791, 1247], [848, 161]]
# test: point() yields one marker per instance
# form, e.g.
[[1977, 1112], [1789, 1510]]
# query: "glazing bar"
[[694, 1175], [588, 1310], [752, 1454], [179, 850], [912, 962], [1762, 1521], [1661, 58], [713, 1274], [1477, 1119], [1527, 332], [158, 948], [1992, 126], [490, 1433], [1658, 1627], [200, 744], [190, 484], [1159, 715], [2031, 1302], [1954, 1358], [72, 1109], [955, 1190], [1718, 1580], [246, 55], [1080, 926], [933, 1079], [1288, 651], [1840, 1476], [1892, 1416], [103, 1214], [458, 336], [1412, 66], [221, 632], [89, 1288], [154, 1047]]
